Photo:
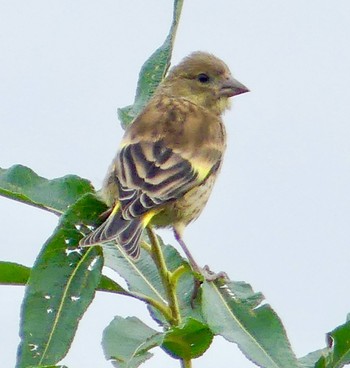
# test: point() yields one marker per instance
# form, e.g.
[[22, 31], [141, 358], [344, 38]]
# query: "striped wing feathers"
[[150, 175]]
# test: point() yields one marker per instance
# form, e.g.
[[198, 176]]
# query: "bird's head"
[[203, 79]]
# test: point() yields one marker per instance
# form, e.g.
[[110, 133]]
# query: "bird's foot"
[[210, 276], [205, 274]]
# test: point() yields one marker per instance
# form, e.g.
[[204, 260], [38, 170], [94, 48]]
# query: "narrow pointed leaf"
[[22, 184], [188, 341], [61, 285], [127, 341], [152, 71], [13, 273], [256, 330]]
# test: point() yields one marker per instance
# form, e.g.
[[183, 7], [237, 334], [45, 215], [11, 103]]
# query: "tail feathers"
[[126, 233], [129, 238]]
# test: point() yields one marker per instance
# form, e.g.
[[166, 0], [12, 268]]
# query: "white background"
[[279, 215]]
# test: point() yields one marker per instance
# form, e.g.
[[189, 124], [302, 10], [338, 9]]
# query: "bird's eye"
[[203, 78]]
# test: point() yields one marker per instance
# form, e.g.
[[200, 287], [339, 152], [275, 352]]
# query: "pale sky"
[[279, 215]]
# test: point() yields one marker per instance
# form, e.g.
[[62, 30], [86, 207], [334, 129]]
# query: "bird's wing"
[[149, 175], [171, 147]]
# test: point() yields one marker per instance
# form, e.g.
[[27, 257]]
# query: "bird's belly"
[[187, 208]]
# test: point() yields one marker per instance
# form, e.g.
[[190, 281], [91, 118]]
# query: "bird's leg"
[[212, 276], [205, 272], [194, 264], [197, 282]]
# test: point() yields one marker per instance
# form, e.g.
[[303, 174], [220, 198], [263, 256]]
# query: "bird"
[[170, 155]]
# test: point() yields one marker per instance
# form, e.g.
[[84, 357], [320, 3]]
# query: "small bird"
[[170, 155]]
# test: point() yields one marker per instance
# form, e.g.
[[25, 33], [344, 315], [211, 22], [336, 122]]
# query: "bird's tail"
[[126, 233]]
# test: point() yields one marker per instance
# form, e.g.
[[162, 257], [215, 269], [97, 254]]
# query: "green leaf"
[[152, 71], [127, 341], [245, 293], [339, 344], [322, 363], [22, 184], [142, 276], [13, 273], [310, 360], [61, 286], [144, 281], [188, 341], [256, 330], [109, 285], [337, 353], [16, 274]]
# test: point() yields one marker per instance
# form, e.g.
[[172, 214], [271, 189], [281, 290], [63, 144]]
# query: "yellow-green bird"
[[170, 155]]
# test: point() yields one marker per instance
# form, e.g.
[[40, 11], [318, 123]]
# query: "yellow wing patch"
[[115, 208], [201, 168], [148, 217]]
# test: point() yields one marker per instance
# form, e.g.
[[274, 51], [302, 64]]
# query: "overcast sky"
[[279, 215]]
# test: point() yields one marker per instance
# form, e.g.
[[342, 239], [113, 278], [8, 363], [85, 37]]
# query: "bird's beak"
[[231, 87]]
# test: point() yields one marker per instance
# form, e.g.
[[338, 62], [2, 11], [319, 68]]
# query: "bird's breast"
[[187, 208]]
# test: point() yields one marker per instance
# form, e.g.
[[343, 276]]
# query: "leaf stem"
[[162, 307], [186, 363], [166, 276], [175, 275]]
